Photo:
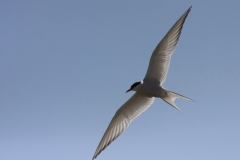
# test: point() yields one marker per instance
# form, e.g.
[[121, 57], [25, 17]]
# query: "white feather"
[[130, 110], [161, 56]]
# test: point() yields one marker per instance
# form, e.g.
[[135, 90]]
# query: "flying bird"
[[147, 89]]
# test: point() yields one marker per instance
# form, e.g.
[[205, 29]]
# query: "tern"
[[147, 89]]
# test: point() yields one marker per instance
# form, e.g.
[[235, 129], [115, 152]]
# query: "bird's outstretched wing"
[[137, 104], [161, 56]]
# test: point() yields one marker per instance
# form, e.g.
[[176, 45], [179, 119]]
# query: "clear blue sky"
[[65, 67]]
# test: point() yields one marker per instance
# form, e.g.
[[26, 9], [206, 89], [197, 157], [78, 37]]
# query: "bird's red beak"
[[128, 90]]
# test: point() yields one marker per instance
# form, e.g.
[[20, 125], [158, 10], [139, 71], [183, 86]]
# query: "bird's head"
[[133, 86]]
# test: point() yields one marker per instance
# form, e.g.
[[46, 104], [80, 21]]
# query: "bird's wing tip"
[[191, 100], [189, 9]]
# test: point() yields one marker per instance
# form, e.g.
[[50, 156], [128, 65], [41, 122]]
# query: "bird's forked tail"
[[171, 96]]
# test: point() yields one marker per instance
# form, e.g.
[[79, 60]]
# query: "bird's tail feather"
[[171, 96]]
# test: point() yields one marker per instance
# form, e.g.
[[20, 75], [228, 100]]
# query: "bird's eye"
[[135, 84]]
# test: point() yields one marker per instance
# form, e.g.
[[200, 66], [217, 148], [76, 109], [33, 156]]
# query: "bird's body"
[[147, 89], [150, 89]]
